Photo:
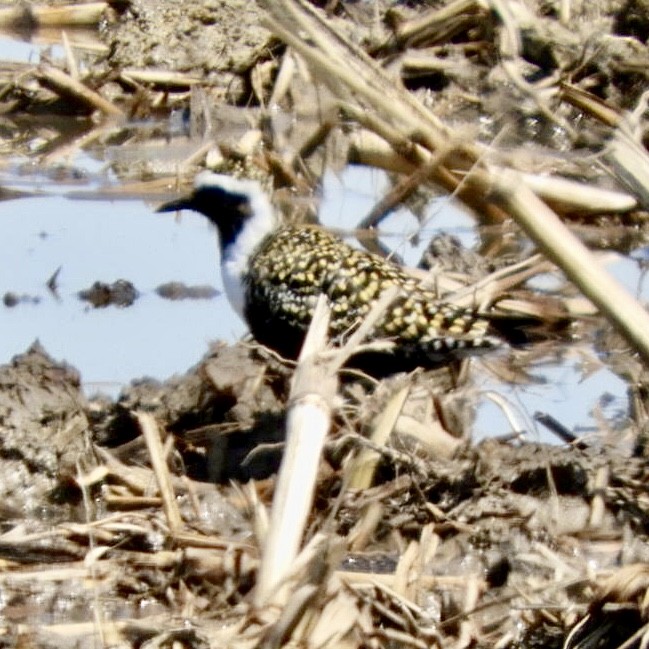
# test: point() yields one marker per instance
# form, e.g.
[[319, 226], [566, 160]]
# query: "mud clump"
[[119, 293], [220, 41], [180, 291], [42, 424]]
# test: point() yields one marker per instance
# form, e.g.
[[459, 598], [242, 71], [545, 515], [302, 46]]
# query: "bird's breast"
[[234, 285]]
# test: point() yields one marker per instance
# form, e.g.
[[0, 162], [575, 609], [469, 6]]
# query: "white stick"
[[308, 421]]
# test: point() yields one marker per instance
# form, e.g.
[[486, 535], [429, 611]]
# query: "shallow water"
[[101, 240]]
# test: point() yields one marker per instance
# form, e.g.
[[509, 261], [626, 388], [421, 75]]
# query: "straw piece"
[[151, 435], [68, 87], [368, 148], [162, 78], [308, 421], [360, 536], [631, 163], [284, 78], [362, 467], [337, 619], [350, 71], [432, 436], [598, 504], [300, 603], [578, 197], [73, 68], [424, 27], [405, 567], [64, 16], [590, 103]]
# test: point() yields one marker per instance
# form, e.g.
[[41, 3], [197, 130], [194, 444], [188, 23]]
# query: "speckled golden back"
[[295, 264]]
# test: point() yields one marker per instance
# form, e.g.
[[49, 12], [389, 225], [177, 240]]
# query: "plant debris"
[[158, 519]]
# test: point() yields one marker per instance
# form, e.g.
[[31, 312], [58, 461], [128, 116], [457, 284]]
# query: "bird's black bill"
[[184, 203]]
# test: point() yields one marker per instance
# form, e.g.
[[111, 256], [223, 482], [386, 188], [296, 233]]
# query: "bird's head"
[[231, 204]]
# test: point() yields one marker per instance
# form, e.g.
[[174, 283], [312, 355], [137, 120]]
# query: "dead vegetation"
[[387, 526]]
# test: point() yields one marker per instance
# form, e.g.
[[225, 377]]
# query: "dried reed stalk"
[[309, 418], [151, 434], [370, 149], [308, 421], [67, 86], [630, 161], [362, 467], [89, 13], [160, 78]]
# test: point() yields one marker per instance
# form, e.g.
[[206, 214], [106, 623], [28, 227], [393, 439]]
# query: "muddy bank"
[[499, 519]]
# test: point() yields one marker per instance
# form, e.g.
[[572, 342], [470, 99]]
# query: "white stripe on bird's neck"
[[236, 255]]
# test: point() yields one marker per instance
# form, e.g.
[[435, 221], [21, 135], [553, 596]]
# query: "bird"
[[274, 273]]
